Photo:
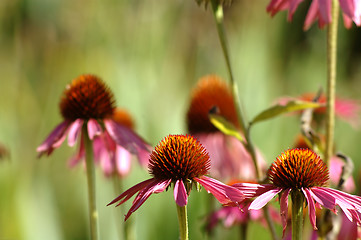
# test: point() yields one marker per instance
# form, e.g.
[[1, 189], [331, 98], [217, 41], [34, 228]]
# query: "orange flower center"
[[87, 97], [210, 93], [179, 157], [123, 117], [298, 168]]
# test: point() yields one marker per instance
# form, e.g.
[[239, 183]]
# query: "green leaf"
[[281, 109], [225, 126]]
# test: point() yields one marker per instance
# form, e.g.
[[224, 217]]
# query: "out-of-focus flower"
[[114, 159], [230, 159], [319, 9], [301, 170], [346, 109], [88, 103], [180, 160]]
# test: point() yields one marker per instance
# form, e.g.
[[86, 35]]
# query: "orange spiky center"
[[123, 117], [179, 157], [87, 97], [298, 168], [210, 93]]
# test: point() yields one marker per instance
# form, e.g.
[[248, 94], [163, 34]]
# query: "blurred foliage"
[[151, 54]]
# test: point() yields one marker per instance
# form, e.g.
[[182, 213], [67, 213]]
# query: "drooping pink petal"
[[54, 140], [180, 193], [223, 193], [94, 128], [122, 160], [74, 160], [323, 198], [292, 9], [143, 157], [284, 208], [131, 191], [251, 190], [311, 207], [154, 187], [125, 137], [74, 130], [264, 198]]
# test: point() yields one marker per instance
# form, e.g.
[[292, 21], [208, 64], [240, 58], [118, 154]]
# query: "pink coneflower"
[[346, 109], [319, 9], [302, 172], [180, 160], [230, 159], [88, 102], [114, 159]]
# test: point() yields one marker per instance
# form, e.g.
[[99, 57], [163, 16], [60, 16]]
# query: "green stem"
[[331, 79], [217, 11], [297, 214], [90, 172], [183, 222]]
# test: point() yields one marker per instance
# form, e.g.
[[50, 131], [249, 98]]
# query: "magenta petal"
[[55, 139], [144, 194], [323, 198], [131, 191], [251, 190], [125, 137], [223, 193], [180, 193], [74, 130], [264, 198], [94, 129], [284, 208], [123, 161], [311, 207]]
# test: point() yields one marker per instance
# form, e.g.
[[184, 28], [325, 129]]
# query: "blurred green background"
[[151, 53]]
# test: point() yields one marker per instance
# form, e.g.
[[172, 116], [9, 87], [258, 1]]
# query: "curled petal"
[[264, 198], [223, 193], [284, 208], [94, 129], [55, 139], [180, 193], [74, 131], [311, 207]]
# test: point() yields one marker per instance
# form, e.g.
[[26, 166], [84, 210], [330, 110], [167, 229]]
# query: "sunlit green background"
[[151, 53]]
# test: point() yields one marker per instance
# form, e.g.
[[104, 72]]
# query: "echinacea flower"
[[180, 160], [88, 103], [229, 158], [346, 109], [301, 171], [114, 159], [319, 9]]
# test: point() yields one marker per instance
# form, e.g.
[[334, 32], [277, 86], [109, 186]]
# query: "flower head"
[[87, 102], [301, 170], [230, 159], [180, 160], [319, 9]]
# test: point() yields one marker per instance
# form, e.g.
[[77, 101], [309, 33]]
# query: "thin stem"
[[297, 214], [331, 79], [90, 172], [217, 11], [183, 222]]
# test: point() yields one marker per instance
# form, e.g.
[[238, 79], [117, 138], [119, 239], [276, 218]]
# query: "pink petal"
[[94, 128], [284, 208], [125, 137], [311, 207], [144, 194], [251, 190], [180, 193], [323, 198], [143, 157], [54, 140], [74, 131], [264, 198], [223, 193], [324, 11], [347, 7], [123, 161], [311, 15], [131, 191], [79, 156], [106, 163]]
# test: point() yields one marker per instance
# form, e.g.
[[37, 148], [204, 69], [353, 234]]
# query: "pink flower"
[[183, 161], [232, 216], [346, 109], [301, 170], [230, 159], [319, 9], [88, 104]]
